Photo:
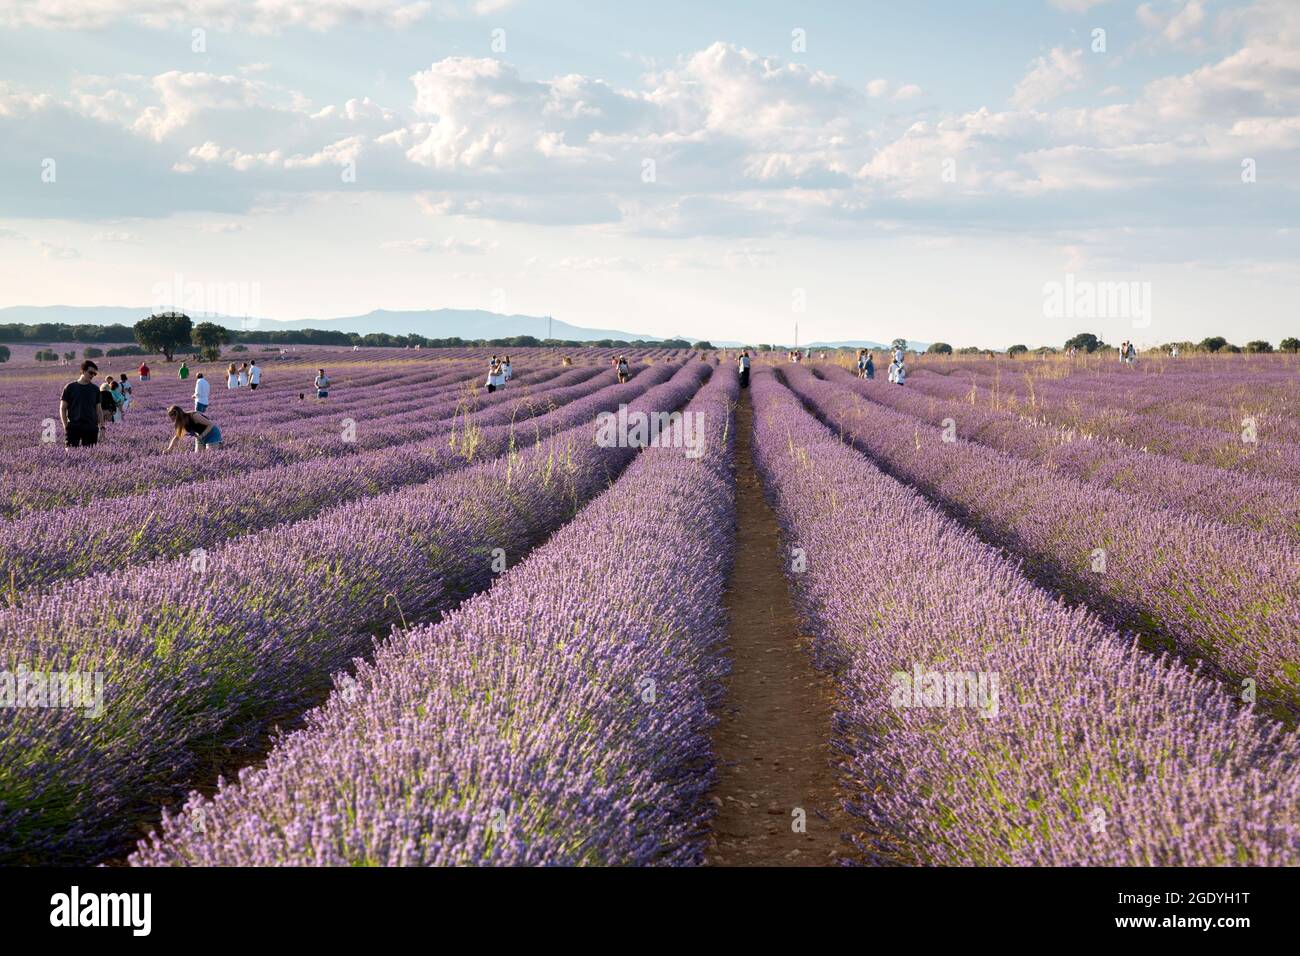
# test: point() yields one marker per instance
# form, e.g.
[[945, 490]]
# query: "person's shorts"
[[214, 437], [253, 386], [200, 407], [79, 433], [492, 388], [322, 393]]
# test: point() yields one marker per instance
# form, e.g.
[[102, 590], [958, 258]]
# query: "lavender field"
[[1015, 612]]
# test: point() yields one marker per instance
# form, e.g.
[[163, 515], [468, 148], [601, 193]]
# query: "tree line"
[[173, 333]]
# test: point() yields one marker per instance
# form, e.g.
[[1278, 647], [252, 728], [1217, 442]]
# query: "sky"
[[939, 171]]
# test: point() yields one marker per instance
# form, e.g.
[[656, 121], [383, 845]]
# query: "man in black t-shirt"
[[81, 407]]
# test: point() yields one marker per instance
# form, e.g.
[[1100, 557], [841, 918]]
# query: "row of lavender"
[[1245, 441], [561, 717], [264, 418], [40, 548], [197, 658], [1261, 504], [275, 400], [64, 481], [1204, 589], [985, 723], [1191, 388]]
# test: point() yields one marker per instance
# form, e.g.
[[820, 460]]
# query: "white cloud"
[[881, 88], [1049, 76], [253, 16], [450, 245], [1177, 25]]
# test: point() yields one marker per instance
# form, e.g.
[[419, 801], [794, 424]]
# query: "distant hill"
[[866, 344], [433, 323], [464, 323]]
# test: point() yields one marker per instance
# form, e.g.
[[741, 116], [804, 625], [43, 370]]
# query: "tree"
[[1085, 342], [165, 333], [939, 348], [71, 356], [1259, 345], [1289, 344], [1044, 350], [89, 352], [702, 346], [1214, 343], [209, 337], [898, 344], [1017, 350], [4, 353], [969, 350], [47, 355]]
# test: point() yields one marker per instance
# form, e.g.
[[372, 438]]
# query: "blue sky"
[[714, 170]]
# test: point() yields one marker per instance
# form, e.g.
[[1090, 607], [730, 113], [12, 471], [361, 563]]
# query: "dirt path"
[[773, 737]]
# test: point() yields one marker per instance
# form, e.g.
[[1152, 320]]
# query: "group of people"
[[866, 364], [1127, 353], [897, 370], [248, 375], [85, 408], [500, 371]]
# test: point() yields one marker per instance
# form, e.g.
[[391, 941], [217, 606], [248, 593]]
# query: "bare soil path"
[[773, 736]]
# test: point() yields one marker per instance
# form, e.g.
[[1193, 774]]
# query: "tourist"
[[144, 372], [112, 399], [254, 375], [232, 376], [322, 384], [184, 370], [743, 362], [126, 390], [243, 375], [624, 370], [496, 377], [205, 432], [202, 391], [80, 408]]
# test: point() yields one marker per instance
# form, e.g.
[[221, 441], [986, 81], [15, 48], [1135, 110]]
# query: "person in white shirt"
[[202, 389], [507, 370], [254, 375], [232, 376], [900, 374], [893, 372], [898, 356], [243, 375], [496, 377], [743, 362], [322, 384]]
